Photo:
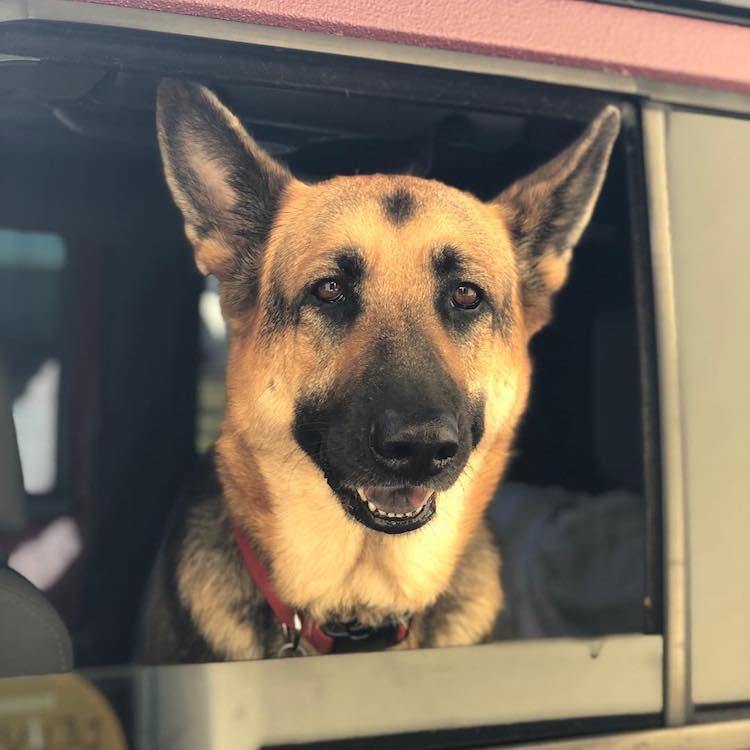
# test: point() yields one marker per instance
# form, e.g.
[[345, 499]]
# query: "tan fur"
[[478, 587], [301, 525]]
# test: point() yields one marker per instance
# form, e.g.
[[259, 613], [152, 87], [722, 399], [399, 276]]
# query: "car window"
[[31, 297]]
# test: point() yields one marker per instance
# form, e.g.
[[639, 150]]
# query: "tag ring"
[[291, 646]]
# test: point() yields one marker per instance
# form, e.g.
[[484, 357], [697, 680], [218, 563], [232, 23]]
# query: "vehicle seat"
[[33, 637]]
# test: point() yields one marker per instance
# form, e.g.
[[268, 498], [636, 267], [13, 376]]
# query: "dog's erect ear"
[[547, 212], [226, 186]]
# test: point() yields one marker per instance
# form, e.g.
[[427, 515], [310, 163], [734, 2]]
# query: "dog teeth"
[[385, 514]]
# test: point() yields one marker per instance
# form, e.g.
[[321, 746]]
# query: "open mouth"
[[391, 510]]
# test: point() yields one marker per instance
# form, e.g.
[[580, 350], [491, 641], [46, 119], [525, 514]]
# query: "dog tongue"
[[400, 500]]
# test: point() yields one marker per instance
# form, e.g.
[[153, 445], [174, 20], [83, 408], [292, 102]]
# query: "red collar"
[[312, 633]]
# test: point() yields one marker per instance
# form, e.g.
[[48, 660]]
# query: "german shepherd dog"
[[378, 367]]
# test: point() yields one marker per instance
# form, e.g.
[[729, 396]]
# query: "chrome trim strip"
[[677, 692], [727, 735], [172, 23]]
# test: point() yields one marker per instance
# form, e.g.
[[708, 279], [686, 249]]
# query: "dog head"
[[378, 324]]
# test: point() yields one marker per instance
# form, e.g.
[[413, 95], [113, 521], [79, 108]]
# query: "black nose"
[[415, 446]]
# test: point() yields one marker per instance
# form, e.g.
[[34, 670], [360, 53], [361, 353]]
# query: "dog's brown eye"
[[466, 296], [329, 291]]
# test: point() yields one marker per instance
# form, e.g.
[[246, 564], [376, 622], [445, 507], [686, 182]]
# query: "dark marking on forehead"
[[399, 206], [448, 261]]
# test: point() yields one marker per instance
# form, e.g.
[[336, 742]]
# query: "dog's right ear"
[[226, 186]]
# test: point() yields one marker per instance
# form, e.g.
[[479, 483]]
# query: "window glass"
[[31, 276]]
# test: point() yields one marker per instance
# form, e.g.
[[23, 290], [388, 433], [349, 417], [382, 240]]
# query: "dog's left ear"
[[547, 212]]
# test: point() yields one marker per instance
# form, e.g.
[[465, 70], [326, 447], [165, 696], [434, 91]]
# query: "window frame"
[[712, 369], [555, 650]]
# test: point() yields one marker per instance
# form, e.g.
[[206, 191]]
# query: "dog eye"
[[466, 296], [329, 291]]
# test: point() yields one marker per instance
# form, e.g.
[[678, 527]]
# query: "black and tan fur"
[[308, 383]]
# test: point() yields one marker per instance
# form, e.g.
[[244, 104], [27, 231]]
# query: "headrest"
[[33, 638], [12, 496]]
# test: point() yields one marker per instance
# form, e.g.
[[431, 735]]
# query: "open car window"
[[135, 348]]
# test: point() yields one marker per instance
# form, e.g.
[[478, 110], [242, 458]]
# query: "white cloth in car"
[[573, 563]]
